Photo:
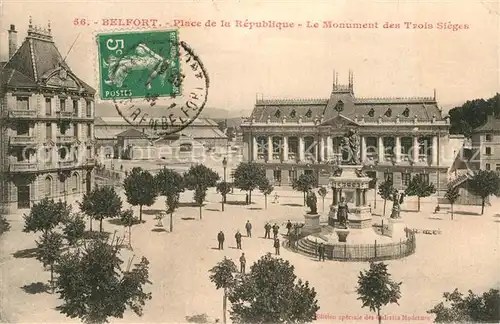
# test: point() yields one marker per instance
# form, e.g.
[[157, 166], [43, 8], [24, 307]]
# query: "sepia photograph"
[[207, 161]]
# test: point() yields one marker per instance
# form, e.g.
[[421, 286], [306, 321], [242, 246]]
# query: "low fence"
[[372, 252]]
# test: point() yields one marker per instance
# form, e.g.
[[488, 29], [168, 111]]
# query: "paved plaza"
[[464, 256]]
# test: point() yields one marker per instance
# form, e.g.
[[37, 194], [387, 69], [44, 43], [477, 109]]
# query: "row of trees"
[[89, 277]]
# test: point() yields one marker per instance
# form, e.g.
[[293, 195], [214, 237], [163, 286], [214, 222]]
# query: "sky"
[[299, 62]]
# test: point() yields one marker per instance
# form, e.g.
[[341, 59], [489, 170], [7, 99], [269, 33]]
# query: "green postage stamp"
[[138, 64]]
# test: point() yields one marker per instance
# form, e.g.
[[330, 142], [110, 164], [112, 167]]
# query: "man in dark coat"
[[288, 227], [321, 252], [275, 230], [248, 226], [220, 238], [267, 227], [237, 236], [243, 262], [277, 246]]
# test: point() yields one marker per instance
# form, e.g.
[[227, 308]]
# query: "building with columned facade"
[[399, 137], [47, 116]]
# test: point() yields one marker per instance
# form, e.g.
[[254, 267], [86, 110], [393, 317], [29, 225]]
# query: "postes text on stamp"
[[133, 64]]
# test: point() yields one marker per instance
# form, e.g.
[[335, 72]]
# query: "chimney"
[[12, 40]]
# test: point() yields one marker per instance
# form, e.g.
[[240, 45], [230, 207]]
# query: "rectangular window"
[[488, 150], [489, 137], [277, 176], [48, 131], [23, 128], [372, 175], [89, 152], [89, 130], [22, 103], [292, 175], [75, 107], [425, 177], [75, 130], [405, 178], [308, 172], [62, 103], [88, 108], [498, 167], [388, 176], [48, 106], [488, 166]]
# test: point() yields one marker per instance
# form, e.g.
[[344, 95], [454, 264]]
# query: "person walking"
[[321, 252], [237, 236], [288, 227], [248, 226], [243, 262], [277, 246], [267, 228], [247, 201], [275, 230], [220, 238]]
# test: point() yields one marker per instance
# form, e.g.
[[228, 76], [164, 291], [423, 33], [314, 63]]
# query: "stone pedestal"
[[397, 228], [311, 224], [342, 235]]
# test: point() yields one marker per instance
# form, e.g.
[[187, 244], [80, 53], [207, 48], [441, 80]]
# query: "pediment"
[[339, 121], [61, 77]]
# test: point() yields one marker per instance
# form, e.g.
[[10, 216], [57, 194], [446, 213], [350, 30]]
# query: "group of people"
[[248, 226]]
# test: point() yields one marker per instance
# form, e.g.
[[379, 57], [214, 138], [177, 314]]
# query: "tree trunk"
[[224, 307], [90, 221], [100, 224], [140, 213], [379, 317], [130, 236], [482, 206], [200, 210], [375, 199], [52, 277], [385, 202], [171, 222], [265, 200], [451, 206], [323, 204], [418, 203], [223, 202], [250, 197]]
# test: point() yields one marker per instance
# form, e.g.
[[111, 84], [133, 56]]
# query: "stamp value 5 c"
[[135, 64]]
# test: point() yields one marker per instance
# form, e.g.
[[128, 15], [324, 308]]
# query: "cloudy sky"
[[299, 62]]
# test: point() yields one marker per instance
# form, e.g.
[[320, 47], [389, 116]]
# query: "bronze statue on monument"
[[312, 202], [350, 147], [397, 200], [343, 213]]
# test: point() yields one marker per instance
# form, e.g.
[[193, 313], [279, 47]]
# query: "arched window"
[[48, 186], [74, 181]]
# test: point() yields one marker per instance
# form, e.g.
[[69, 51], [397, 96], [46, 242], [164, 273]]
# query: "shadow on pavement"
[[466, 213], [25, 254], [188, 218], [292, 205], [159, 230], [213, 209], [36, 288]]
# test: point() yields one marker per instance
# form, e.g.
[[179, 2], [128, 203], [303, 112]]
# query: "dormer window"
[[371, 113], [339, 107], [309, 113], [406, 112], [293, 113], [388, 113], [277, 114]]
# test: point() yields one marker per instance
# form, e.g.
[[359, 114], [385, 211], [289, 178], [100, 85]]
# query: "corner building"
[[399, 137], [47, 117]]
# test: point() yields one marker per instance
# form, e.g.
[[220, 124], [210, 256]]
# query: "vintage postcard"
[[249, 161]]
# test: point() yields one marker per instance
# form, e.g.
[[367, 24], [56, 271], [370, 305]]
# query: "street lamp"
[[224, 165]]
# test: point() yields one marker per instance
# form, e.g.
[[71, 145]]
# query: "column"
[[285, 148], [398, 149], [254, 148], [434, 150], [415, 149], [329, 148], [301, 148], [322, 149], [363, 149], [380, 149], [334, 194], [269, 148]]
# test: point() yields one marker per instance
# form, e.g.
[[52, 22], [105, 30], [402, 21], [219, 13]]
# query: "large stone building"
[[399, 137], [486, 139], [47, 115]]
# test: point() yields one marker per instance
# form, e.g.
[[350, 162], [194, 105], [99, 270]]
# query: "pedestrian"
[[275, 230], [248, 226], [277, 246], [267, 228], [276, 198], [288, 227], [243, 262], [321, 252], [220, 238], [237, 236], [247, 200]]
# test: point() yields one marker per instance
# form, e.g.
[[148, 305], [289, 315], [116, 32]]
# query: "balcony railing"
[[64, 114], [22, 113], [90, 160], [23, 166], [67, 164], [65, 139], [22, 140]]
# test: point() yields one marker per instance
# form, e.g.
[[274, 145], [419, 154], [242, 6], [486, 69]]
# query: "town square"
[[205, 167]]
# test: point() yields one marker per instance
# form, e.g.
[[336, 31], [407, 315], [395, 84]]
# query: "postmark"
[[158, 113], [133, 64]]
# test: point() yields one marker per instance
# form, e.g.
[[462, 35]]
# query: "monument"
[[396, 223], [311, 219]]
